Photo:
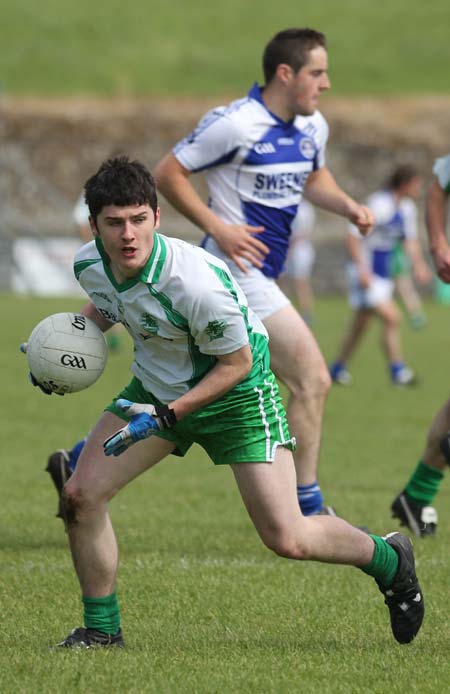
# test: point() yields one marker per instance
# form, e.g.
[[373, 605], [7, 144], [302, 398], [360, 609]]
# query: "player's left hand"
[[363, 218], [145, 421]]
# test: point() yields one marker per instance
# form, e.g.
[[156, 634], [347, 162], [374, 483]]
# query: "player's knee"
[[392, 319], [287, 546], [313, 384], [318, 383], [70, 506], [324, 381], [438, 446], [79, 500]]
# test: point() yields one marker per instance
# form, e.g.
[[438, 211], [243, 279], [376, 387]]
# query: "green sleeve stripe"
[[172, 314], [201, 363], [225, 278], [82, 265]]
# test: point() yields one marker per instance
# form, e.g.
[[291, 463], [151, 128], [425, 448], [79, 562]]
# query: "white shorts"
[[300, 260], [379, 291], [263, 294]]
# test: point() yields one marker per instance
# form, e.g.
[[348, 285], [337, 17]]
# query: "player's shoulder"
[[315, 125], [381, 199], [88, 251], [188, 254], [231, 119], [192, 266], [88, 256], [317, 119], [408, 206], [242, 114], [383, 205]]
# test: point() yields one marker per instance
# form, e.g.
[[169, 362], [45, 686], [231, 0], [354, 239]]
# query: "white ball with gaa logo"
[[66, 353]]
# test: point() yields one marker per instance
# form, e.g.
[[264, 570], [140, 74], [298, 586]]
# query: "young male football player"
[[259, 155], [413, 506], [200, 374]]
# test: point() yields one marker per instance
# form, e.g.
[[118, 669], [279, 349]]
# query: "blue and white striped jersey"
[[394, 221], [256, 166]]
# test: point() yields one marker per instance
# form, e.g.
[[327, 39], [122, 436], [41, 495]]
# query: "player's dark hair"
[[401, 174], [120, 182], [292, 47]]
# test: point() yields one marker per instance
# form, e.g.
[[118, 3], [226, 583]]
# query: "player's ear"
[[93, 226], [284, 73], [157, 218]]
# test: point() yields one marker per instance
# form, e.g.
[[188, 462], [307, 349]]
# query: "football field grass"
[[205, 607], [152, 47]]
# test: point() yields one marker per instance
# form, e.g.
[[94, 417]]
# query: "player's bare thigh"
[[388, 312], [294, 351], [103, 476], [268, 491]]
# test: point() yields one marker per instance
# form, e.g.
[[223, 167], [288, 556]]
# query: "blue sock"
[[310, 498], [335, 367], [74, 454], [395, 367]]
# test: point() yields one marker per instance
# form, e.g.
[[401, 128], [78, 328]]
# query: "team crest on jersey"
[[307, 148], [215, 329], [149, 323]]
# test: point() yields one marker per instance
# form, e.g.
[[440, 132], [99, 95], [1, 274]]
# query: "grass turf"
[[199, 48], [205, 607]]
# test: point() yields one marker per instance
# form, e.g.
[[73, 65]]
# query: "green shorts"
[[400, 263], [243, 426]]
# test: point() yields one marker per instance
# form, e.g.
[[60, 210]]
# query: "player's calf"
[[444, 446], [58, 468]]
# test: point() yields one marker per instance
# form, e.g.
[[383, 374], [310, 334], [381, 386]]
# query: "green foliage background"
[[196, 47], [205, 607]]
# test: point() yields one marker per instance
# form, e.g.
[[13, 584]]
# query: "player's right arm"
[[435, 217], [236, 240], [322, 190], [355, 251], [215, 142], [146, 420], [91, 312]]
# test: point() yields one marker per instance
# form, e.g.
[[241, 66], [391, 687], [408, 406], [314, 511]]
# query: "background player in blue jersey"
[[371, 285], [413, 506], [259, 155]]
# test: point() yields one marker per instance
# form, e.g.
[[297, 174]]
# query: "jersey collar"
[[255, 93], [149, 274]]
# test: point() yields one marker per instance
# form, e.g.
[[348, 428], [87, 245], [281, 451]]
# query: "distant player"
[[259, 155], [371, 285], [414, 506], [200, 374], [296, 278], [406, 289]]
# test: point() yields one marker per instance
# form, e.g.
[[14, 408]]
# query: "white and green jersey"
[[442, 170], [182, 310]]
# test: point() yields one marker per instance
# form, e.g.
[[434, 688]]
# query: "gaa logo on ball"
[[75, 362], [66, 352]]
